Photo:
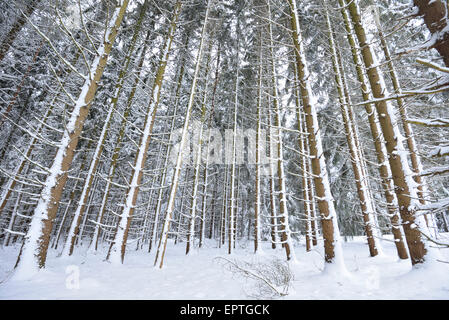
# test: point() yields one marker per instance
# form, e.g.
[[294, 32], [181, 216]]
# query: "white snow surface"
[[200, 276]]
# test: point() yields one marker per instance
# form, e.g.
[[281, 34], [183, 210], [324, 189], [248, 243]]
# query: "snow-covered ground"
[[202, 276]]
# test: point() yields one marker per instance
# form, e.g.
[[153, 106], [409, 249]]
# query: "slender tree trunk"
[[378, 140], [181, 215], [274, 221], [310, 187], [237, 197], [232, 200], [206, 166], [114, 158], [116, 252], [408, 131], [283, 210], [333, 254], [257, 191], [212, 221], [71, 197], [304, 167], [366, 202], [198, 159], [79, 238], [224, 208], [402, 175], [175, 180]]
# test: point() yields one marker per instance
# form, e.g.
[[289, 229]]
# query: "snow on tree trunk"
[[283, 209], [33, 253], [74, 227], [100, 215], [304, 167], [257, 190], [199, 131], [179, 159], [232, 200], [71, 197], [116, 252], [379, 145], [366, 202], [408, 131], [405, 186], [206, 166], [163, 180], [333, 253]]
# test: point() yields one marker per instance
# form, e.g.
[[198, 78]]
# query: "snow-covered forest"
[[206, 149]]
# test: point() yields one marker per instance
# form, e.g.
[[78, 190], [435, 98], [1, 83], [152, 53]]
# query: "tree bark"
[[117, 249], [33, 253], [333, 254], [401, 172], [75, 226], [175, 180], [361, 180], [435, 16], [378, 140]]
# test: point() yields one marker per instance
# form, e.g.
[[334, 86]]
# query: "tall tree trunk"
[[206, 166], [333, 254], [74, 227], [178, 167], [169, 148], [117, 148], [232, 191], [283, 210], [304, 166], [198, 158], [257, 191], [117, 249], [366, 202], [34, 251], [408, 131], [402, 175], [272, 154], [378, 140]]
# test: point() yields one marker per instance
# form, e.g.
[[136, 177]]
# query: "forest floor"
[[203, 275]]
